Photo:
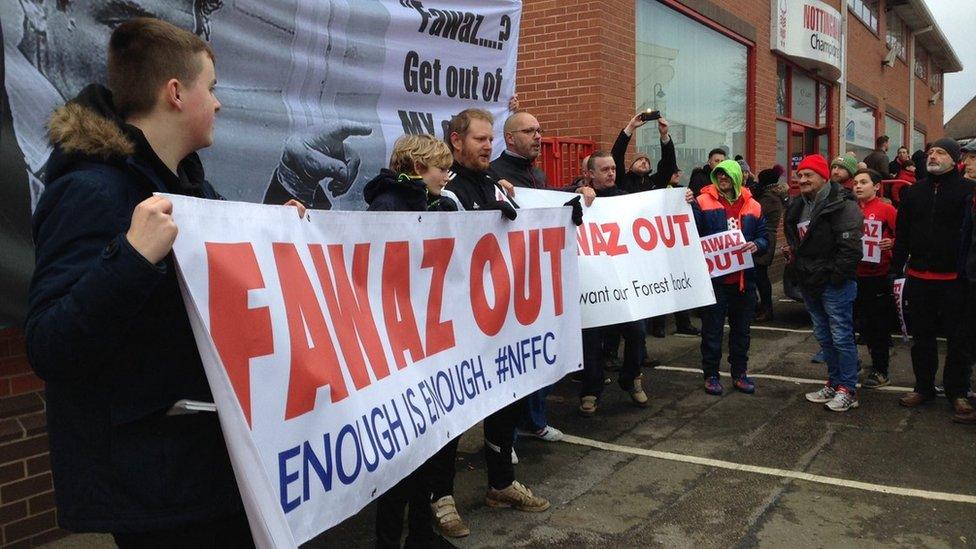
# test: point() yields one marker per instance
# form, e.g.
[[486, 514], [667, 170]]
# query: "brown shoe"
[[516, 496], [968, 418], [914, 399], [447, 518], [587, 406], [962, 406], [637, 394]]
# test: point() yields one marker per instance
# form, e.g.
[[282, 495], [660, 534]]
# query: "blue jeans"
[[738, 307], [533, 417], [832, 313]]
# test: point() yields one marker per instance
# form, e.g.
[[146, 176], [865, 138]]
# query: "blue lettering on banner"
[[381, 433], [516, 359]]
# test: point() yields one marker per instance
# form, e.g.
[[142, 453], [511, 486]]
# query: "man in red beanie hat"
[[823, 230]]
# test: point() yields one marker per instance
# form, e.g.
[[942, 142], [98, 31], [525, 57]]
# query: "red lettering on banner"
[[682, 221], [603, 239], [554, 242], [437, 256], [870, 245], [490, 318], [401, 322], [872, 229], [667, 229], [527, 308], [640, 225], [239, 332], [349, 302], [314, 362], [582, 241]]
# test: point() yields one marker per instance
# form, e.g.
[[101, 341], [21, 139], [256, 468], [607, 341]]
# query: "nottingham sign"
[[809, 33]]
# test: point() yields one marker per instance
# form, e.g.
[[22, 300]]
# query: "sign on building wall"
[[809, 32]]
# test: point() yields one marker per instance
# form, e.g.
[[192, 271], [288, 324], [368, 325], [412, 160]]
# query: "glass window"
[[895, 35], [804, 98], [782, 152], [866, 11], [781, 89], [918, 140], [708, 105], [895, 130], [823, 100], [936, 82], [921, 63], [859, 132]]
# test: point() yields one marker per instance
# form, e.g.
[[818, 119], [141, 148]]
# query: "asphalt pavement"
[[694, 470]]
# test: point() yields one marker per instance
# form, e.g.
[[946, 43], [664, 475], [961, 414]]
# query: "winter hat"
[[816, 163], [638, 157], [744, 165], [770, 177], [949, 145], [847, 162]]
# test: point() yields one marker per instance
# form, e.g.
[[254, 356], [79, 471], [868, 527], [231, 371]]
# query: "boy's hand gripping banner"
[[345, 349], [639, 255]]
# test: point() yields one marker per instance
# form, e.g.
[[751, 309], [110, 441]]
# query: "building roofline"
[[917, 16]]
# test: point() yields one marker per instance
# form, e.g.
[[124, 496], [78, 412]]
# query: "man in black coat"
[[639, 177], [878, 159], [701, 177], [470, 135], [107, 329], [930, 225], [823, 228]]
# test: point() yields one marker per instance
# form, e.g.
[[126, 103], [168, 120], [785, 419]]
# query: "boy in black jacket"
[[414, 183], [107, 328]]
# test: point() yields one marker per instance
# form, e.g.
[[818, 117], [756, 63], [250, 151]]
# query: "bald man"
[[523, 142]]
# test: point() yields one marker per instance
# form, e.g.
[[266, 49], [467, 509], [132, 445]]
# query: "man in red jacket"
[[873, 307]]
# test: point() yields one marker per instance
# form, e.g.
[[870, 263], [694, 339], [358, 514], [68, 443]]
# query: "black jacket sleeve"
[[619, 151], [88, 281], [899, 252], [666, 166], [848, 229]]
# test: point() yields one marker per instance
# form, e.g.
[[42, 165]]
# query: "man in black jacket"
[[701, 177], [878, 159], [470, 135], [639, 177], [930, 222], [523, 143], [107, 328], [823, 230]]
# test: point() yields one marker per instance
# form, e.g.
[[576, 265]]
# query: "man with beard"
[[842, 171], [930, 224], [470, 137]]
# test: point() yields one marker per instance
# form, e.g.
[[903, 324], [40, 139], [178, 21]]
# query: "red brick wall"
[[27, 514], [576, 69]]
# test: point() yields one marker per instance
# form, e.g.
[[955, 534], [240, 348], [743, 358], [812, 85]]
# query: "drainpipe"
[[842, 99]]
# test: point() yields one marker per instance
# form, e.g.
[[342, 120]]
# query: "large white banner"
[[639, 255], [313, 93], [343, 350]]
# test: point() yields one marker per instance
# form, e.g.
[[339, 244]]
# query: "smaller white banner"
[[898, 292], [639, 255], [871, 241], [724, 254], [802, 228]]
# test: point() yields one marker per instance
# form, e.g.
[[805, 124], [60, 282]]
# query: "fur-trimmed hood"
[[89, 129]]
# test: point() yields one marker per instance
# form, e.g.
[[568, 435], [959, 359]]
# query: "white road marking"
[[809, 331], [890, 388], [773, 472]]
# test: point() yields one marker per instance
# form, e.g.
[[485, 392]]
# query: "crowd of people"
[[103, 246]]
